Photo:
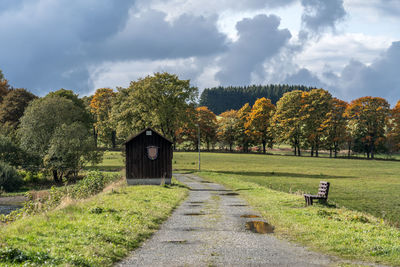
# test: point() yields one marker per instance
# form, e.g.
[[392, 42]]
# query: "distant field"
[[363, 185]]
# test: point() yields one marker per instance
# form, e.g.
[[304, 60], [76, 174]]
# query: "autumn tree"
[[287, 120], [158, 101], [4, 87], [13, 106], [243, 137], [394, 133], [207, 122], [187, 133], [227, 131], [334, 126], [368, 116], [315, 104], [101, 105], [258, 124]]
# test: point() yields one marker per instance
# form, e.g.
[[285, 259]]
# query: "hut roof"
[[148, 128]]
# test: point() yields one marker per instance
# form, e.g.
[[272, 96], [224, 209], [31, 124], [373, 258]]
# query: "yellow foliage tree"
[[258, 123], [227, 130]]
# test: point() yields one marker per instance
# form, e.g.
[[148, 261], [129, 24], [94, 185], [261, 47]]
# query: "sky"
[[349, 47]]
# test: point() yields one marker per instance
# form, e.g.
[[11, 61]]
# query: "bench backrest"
[[323, 189]]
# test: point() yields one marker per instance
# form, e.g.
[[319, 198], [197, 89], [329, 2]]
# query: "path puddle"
[[194, 205], [206, 182], [196, 202], [6, 209], [193, 214], [250, 216], [239, 205], [259, 227], [230, 194]]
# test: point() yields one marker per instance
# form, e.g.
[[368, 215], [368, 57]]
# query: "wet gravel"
[[213, 233]]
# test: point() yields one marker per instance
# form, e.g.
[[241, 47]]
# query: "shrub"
[[10, 180]]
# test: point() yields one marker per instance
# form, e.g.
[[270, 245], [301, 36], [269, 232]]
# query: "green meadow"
[[371, 186]]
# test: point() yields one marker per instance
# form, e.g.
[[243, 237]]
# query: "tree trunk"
[[330, 152], [264, 143], [312, 151], [295, 150], [316, 149], [230, 147], [298, 150], [113, 137], [55, 176], [95, 135]]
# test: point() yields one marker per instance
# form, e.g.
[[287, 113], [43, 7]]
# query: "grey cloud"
[[304, 77], [52, 44], [322, 14], [259, 40], [151, 37], [381, 78]]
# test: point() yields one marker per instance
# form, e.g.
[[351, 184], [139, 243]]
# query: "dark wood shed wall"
[[139, 166]]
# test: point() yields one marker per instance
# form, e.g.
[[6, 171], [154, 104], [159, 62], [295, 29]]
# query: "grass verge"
[[94, 232], [337, 231]]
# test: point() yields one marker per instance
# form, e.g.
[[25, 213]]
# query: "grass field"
[[95, 232], [363, 185]]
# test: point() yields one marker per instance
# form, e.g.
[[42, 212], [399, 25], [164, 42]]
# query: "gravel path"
[[218, 236]]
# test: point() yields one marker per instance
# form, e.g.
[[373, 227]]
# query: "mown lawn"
[[363, 185], [95, 232]]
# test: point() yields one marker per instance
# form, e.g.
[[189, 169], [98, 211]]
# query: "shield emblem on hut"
[[152, 152]]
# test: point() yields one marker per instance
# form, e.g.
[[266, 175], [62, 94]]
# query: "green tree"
[[159, 101], [287, 120], [368, 117], [259, 121], [13, 106], [100, 107], [42, 119]]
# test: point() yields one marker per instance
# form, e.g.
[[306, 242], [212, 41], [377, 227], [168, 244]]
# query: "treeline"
[[307, 120], [220, 99]]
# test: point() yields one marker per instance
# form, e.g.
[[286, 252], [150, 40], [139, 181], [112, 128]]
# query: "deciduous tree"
[[287, 120], [368, 117], [101, 105], [334, 126], [227, 128], [315, 104], [207, 122], [259, 121], [13, 106], [243, 137], [159, 101]]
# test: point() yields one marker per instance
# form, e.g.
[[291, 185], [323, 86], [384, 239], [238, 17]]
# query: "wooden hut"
[[148, 158]]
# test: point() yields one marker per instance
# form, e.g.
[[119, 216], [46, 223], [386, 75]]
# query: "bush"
[[10, 180]]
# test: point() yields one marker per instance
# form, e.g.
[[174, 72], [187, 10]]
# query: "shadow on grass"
[[272, 174]]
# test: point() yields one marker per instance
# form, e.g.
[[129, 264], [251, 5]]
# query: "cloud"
[[259, 40], [304, 77], [320, 15], [380, 78], [52, 44]]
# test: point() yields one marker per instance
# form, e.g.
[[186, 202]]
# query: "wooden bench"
[[322, 195]]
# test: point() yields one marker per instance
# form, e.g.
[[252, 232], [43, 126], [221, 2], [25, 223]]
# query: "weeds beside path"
[[94, 232]]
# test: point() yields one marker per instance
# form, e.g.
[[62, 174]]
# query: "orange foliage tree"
[[243, 138], [207, 122], [368, 117], [258, 122], [394, 134]]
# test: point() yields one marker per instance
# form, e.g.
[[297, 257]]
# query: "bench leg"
[[308, 200]]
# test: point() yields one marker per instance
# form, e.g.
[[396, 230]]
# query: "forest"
[[220, 99]]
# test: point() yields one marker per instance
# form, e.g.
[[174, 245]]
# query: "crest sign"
[[152, 152]]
